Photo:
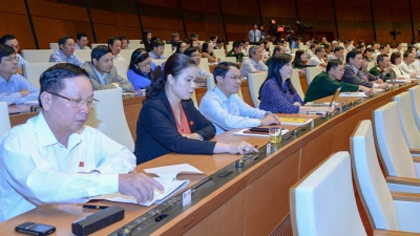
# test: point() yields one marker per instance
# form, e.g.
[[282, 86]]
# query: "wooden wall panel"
[[14, 20], [239, 17]]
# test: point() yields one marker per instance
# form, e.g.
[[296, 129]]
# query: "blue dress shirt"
[[59, 56], [10, 90]]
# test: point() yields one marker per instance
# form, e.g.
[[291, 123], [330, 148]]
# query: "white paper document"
[[352, 94], [167, 178]]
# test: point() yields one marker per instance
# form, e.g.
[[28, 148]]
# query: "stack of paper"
[[167, 177]]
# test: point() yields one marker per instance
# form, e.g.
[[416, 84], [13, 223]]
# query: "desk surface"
[[260, 192]]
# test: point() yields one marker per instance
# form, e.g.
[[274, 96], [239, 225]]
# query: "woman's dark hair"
[[145, 33], [138, 55], [191, 50], [298, 54], [394, 57], [205, 48], [178, 45], [274, 65], [173, 66]]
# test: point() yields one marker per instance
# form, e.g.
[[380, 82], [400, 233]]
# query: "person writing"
[[277, 93], [169, 122]]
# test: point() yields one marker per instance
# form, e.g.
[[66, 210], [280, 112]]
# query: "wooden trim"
[[415, 151], [381, 232], [409, 197], [416, 159], [403, 180]]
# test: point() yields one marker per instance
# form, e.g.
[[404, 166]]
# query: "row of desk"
[[256, 202]]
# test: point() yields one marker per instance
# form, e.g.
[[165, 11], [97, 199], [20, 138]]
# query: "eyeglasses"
[[9, 59], [235, 78], [77, 103], [149, 63]]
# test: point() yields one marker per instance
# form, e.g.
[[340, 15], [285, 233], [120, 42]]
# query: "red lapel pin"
[[191, 123]]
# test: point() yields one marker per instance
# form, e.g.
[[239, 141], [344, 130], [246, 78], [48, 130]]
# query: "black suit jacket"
[[157, 133], [352, 78]]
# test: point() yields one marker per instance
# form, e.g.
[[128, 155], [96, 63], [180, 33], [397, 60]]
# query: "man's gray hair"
[[253, 50]]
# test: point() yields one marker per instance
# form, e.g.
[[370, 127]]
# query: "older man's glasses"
[[77, 103]]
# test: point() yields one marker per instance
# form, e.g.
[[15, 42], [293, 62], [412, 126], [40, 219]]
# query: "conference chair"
[[370, 65], [94, 45], [296, 83], [84, 55], [219, 53], [4, 117], [54, 46], [227, 59], [311, 72], [393, 149], [168, 51], [134, 46], [204, 64], [255, 80], [158, 62], [229, 47], [323, 203], [415, 103], [122, 68], [386, 210], [126, 53], [408, 124], [108, 117], [33, 71], [37, 55], [134, 41]]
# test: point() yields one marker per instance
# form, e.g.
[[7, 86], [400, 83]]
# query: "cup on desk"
[[275, 134]]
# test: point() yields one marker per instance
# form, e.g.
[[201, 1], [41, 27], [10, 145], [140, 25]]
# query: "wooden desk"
[[254, 203]]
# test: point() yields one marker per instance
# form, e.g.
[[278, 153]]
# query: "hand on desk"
[[138, 185], [270, 119], [24, 92], [234, 148], [366, 90]]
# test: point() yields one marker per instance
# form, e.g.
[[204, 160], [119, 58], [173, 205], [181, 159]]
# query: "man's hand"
[[138, 185], [24, 92], [270, 119], [366, 90]]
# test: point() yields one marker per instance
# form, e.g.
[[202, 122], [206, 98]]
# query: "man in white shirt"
[[316, 60], [102, 71], [54, 158], [11, 40], [115, 45], [408, 58], [255, 63], [158, 47], [81, 42], [337, 54], [223, 107], [311, 51]]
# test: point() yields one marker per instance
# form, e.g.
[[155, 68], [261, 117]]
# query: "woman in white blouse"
[[399, 74]]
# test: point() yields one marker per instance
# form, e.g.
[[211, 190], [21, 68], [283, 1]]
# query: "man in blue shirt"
[[14, 88], [254, 34], [66, 52], [11, 40]]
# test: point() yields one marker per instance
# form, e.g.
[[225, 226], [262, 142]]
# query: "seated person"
[[366, 75], [337, 54], [300, 59], [316, 60], [416, 64], [147, 39], [102, 71], [396, 72], [182, 46], [53, 158], [169, 122], [220, 44], [408, 59], [245, 47], [352, 73], [369, 54], [14, 88], [11, 40], [124, 42], [223, 107], [202, 75], [383, 67], [81, 42], [158, 47], [254, 64], [66, 52], [212, 42], [140, 68], [207, 52], [236, 52], [114, 44], [326, 83], [277, 93], [311, 51], [174, 40]]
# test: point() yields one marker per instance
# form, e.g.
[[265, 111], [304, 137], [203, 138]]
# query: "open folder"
[[167, 178]]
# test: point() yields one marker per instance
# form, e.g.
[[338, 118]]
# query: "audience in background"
[[254, 34], [254, 64], [158, 47], [338, 54], [317, 59], [81, 42], [382, 68], [207, 52], [236, 51], [202, 75], [213, 40], [408, 58], [66, 52], [168, 120], [147, 40], [369, 54], [114, 44], [174, 40], [102, 72], [311, 51], [14, 88], [12, 41], [140, 69], [182, 46], [397, 73], [220, 44], [326, 83], [366, 75], [245, 47], [225, 109], [263, 36], [300, 59], [124, 42]]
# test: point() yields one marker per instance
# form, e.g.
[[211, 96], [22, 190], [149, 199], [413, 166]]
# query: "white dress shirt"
[[36, 169], [229, 113], [415, 65], [399, 73], [314, 61], [250, 66], [405, 68], [78, 47], [118, 57]]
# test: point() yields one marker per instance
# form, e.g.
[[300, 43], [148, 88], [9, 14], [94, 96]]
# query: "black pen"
[[95, 207]]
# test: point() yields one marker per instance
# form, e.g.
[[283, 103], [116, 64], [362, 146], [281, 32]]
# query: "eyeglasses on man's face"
[[77, 103]]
